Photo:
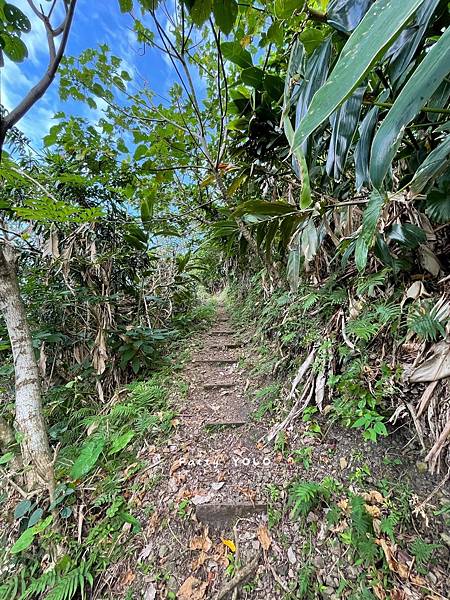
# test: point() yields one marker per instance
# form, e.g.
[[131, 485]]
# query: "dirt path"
[[219, 523]]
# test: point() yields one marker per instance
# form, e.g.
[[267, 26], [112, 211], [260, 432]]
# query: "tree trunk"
[[29, 417]]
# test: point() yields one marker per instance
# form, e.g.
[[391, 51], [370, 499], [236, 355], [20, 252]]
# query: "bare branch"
[[41, 87]]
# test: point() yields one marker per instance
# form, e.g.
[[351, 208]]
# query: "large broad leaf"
[[344, 122], [436, 163], [403, 50], [346, 15], [293, 268], [200, 11], [88, 456], [300, 165], [380, 26], [235, 53], [225, 13], [264, 209], [315, 75], [438, 206], [407, 234], [362, 148], [418, 89]]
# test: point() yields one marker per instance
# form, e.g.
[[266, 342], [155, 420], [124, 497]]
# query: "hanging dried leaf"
[[436, 367]]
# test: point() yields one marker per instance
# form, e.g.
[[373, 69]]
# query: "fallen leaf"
[[145, 552], [229, 544], [379, 592], [373, 511], [343, 504], [128, 578], [192, 589], [373, 497], [175, 466], [201, 542], [264, 537], [197, 500]]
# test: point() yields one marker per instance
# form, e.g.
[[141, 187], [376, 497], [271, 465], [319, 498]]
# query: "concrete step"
[[223, 516], [215, 361], [218, 385], [219, 345]]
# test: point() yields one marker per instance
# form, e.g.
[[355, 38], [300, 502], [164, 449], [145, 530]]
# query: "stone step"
[[224, 423], [219, 345], [215, 361], [218, 385], [223, 516], [222, 331]]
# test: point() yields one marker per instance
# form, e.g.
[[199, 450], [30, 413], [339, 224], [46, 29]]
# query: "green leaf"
[[27, 537], [35, 517], [121, 441], [147, 205], [263, 208], [126, 5], [438, 206], [367, 236], [274, 86], [13, 47], [433, 166], [300, 166], [311, 39], [24, 541], [16, 18], [225, 13], [5, 458], [88, 456], [200, 11], [22, 508], [379, 27], [414, 95], [293, 269], [407, 234], [253, 77], [235, 53], [344, 122]]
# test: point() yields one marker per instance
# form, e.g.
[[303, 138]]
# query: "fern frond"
[[367, 285], [427, 321]]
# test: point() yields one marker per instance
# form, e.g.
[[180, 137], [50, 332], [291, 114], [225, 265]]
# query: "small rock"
[[197, 500], [319, 562], [421, 467], [343, 463], [172, 585], [217, 486], [291, 556]]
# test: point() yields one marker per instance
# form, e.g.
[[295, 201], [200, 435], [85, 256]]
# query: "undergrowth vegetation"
[[95, 512]]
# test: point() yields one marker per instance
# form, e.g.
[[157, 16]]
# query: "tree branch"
[[41, 87]]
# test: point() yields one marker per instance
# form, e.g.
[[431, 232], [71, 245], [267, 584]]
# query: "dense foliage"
[[301, 157]]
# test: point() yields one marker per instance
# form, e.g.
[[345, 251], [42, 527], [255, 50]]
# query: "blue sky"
[[96, 22]]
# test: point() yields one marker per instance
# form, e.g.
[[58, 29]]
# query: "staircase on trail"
[[217, 403]]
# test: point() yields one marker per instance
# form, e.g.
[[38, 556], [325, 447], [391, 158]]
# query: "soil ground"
[[221, 524]]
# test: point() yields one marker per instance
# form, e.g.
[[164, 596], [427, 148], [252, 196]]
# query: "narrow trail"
[[214, 477], [217, 499]]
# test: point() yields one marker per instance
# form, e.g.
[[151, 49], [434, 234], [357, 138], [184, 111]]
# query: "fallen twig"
[[240, 577]]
